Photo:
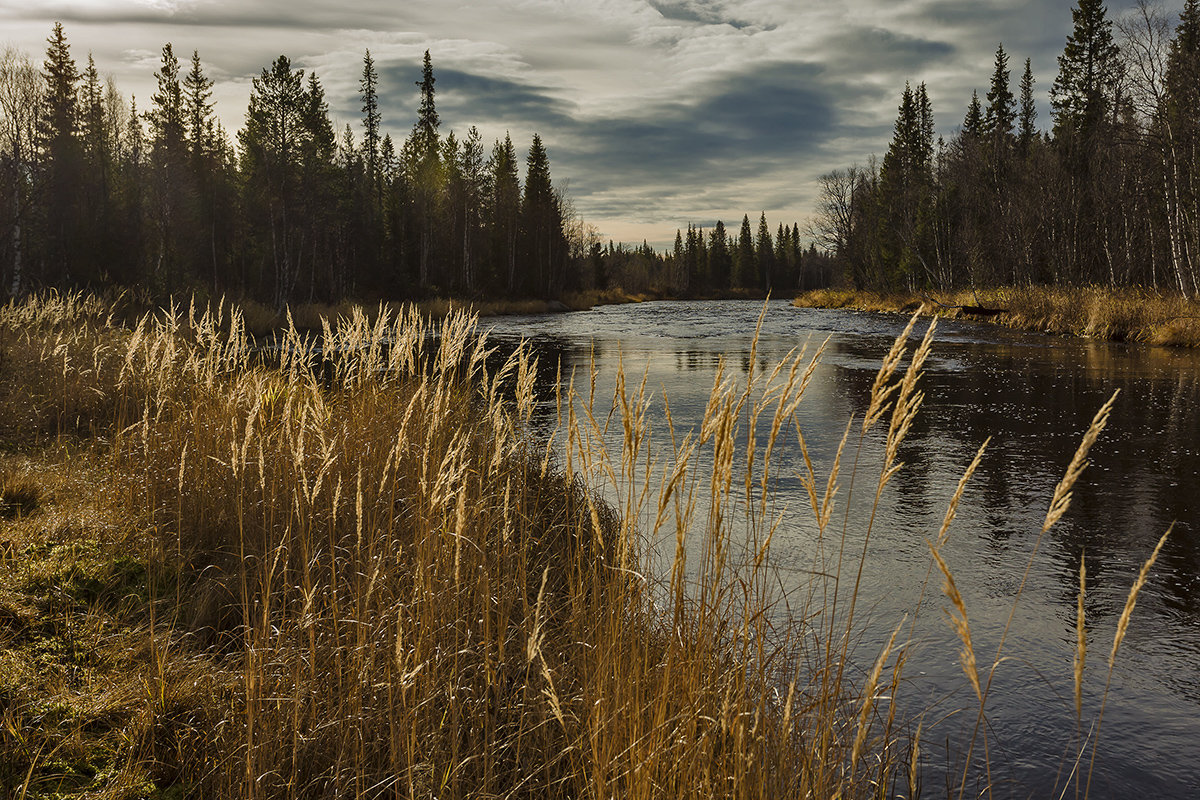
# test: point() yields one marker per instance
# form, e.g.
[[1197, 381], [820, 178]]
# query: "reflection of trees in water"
[[554, 356]]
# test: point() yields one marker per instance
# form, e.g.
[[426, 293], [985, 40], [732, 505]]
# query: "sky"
[[655, 113]]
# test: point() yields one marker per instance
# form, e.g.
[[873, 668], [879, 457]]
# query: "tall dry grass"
[[371, 579], [1126, 314]]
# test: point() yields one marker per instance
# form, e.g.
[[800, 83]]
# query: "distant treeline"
[[716, 263], [1110, 194], [96, 192]]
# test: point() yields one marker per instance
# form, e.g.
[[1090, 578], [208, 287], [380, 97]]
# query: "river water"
[[1034, 395]]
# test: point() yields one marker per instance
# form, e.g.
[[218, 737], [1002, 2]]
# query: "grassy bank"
[[373, 580], [1127, 315], [260, 320]]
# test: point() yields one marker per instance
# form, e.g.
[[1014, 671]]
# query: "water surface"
[[1034, 395]]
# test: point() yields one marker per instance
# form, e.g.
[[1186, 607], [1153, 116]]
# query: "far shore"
[[1130, 314]]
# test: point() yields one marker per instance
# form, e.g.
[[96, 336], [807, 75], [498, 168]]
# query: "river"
[[1034, 395]]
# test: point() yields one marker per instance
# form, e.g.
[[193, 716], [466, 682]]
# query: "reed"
[[360, 571]]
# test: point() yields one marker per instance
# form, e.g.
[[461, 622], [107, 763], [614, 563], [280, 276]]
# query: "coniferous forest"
[[100, 191], [1108, 193]]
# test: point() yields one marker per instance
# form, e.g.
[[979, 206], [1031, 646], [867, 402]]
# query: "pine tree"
[[1000, 117], [1084, 93], [1027, 129]]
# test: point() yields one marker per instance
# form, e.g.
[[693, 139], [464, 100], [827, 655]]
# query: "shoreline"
[[1136, 315]]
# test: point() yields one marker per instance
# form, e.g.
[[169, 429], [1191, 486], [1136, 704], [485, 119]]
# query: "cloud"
[[656, 112]]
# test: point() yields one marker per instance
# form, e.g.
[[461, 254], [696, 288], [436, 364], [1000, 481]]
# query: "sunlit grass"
[[355, 571], [1130, 314]]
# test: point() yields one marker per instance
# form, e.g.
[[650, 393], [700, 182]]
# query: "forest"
[[99, 193], [1108, 194]]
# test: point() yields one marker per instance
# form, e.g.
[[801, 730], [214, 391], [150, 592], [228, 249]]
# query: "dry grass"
[[371, 580], [1125, 314]]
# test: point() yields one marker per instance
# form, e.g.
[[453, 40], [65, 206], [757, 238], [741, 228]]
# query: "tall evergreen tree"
[[1001, 112], [271, 147], [63, 154], [973, 121], [426, 130], [1084, 93], [720, 260], [765, 251], [1027, 126], [198, 106], [745, 263], [504, 211], [541, 226], [372, 118]]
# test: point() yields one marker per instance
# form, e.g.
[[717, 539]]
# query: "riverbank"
[[222, 580], [261, 320], [1123, 315]]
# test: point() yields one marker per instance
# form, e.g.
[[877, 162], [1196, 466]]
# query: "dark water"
[[1035, 396]]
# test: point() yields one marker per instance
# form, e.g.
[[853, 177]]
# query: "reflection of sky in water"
[[1035, 395]]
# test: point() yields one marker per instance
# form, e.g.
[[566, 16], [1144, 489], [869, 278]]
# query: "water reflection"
[[1034, 395]]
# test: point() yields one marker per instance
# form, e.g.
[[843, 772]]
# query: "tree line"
[[716, 263], [1108, 194], [98, 192]]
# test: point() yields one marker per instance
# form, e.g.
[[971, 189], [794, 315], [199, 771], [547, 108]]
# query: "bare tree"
[[834, 222], [21, 88]]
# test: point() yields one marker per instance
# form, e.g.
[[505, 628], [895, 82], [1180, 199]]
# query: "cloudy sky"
[[656, 113]]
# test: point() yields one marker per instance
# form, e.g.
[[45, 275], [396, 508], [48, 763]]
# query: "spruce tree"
[[368, 86], [63, 158], [719, 259], [197, 92], [1027, 130], [426, 130], [166, 111], [1088, 72], [271, 149], [540, 216], [61, 118], [746, 262], [1001, 114], [504, 211], [765, 250], [973, 122]]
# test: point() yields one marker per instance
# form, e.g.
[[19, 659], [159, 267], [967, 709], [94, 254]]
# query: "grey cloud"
[[875, 50], [701, 11]]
